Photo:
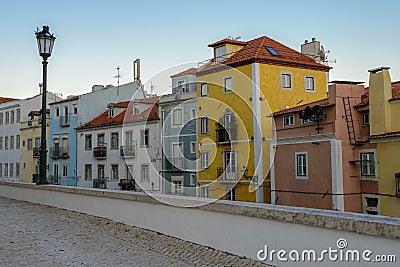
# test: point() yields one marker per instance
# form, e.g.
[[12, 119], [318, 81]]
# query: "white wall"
[[236, 227]]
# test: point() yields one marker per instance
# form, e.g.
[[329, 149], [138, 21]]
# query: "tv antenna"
[[118, 77], [152, 87], [324, 56]]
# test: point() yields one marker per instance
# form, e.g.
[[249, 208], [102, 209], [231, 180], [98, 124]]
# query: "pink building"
[[323, 157]]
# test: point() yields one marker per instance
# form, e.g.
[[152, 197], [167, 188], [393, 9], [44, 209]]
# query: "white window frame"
[[142, 137], [226, 89], [283, 83], [114, 175], [306, 84], [17, 169], [205, 160], [204, 89], [296, 165], [205, 191], [173, 185], [57, 112], [230, 193], [144, 172], [367, 176], [192, 179], [288, 116], [112, 134], [192, 147], [220, 53], [111, 112], [88, 177], [177, 117], [204, 126], [64, 170], [91, 142], [193, 113]]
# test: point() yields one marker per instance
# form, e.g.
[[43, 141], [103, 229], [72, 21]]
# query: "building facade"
[[322, 154], [237, 92], [179, 135], [30, 148], [13, 112], [71, 113], [121, 146], [384, 104]]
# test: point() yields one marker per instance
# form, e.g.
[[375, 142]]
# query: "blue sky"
[[94, 37]]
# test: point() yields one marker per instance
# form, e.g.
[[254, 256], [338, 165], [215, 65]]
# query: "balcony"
[[64, 121], [100, 152], [59, 152], [226, 135], [128, 151], [36, 152]]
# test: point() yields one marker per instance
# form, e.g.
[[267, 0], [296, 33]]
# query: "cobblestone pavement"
[[36, 235]]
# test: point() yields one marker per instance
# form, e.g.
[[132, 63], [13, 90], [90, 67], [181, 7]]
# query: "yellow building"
[[384, 101], [237, 92], [30, 146]]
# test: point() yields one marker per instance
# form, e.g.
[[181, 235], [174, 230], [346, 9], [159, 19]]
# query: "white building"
[[122, 143], [12, 113]]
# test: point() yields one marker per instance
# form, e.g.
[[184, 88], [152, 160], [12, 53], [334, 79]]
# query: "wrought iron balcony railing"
[[36, 152], [226, 134], [100, 152], [59, 152]]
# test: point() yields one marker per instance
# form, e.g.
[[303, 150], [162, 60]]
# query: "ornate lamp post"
[[45, 42]]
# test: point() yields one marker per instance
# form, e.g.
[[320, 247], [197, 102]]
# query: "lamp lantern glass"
[[45, 41]]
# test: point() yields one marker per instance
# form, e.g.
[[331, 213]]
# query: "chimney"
[[380, 92], [96, 88], [136, 70], [312, 49]]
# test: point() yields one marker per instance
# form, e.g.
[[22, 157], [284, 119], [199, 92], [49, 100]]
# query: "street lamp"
[[45, 42]]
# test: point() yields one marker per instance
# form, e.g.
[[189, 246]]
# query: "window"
[[192, 147], [18, 141], [220, 53], [286, 81], [204, 89], [135, 109], [371, 204], [114, 172], [1, 169], [11, 169], [88, 142], [100, 140], [231, 194], [129, 138], [100, 171], [5, 169], [6, 143], [204, 125], [64, 170], [7, 117], [177, 185], [18, 115], [205, 191], [366, 118], [288, 120], [177, 117], [114, 141], [17, 169], [309, 83], [181, 87], [193, 114], [1, 143], [192, 179], [205, 158], [75, 108], [145, 173], [57, 111], [144, 138], [11, 142], [29, 144], [37, 142], [272, 51], [367, 164], [12, 119], [307, 121], [1, 118], [301, 165], [111, 112], [228, 85], [230, 166], [88, 172]]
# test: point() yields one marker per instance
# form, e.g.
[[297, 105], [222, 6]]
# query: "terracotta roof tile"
[[396, 90], [322, 102], [255, 51], [6, 99], [65, 100], [185, 72], [227, 41]]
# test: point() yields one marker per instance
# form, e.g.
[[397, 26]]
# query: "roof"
[[255, 51], [185, 72], [37, 112], [346, 82], [322, 102], [147, 100], [396, 90], [6, 99], [227, 41], [65, 100], [127, 115], [386, 135]]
